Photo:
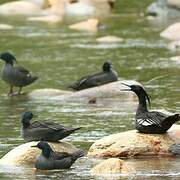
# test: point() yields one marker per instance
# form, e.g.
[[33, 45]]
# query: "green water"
[[59, 56]]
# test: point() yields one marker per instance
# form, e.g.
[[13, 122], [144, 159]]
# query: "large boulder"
[[26, 155], [111, 90], [131, 143]]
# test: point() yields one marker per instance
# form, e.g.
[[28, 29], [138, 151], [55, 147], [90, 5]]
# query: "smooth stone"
[[87, 25], [110, 90], [26, 155], [49, 19], [6, 27], [19, 8], [132, 144], [46, 93], [172, 32], [110, 166], [109, 39]]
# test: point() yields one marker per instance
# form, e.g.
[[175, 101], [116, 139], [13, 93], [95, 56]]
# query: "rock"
[[131, 143], [174, 46], [173, 3], [110, 90], [175, 149], [46, 93], [111, 166], [88, 25], [49, 19], [26, 155], [176, 59], [172, 32], [163, 8], [6, 27], [109, 39], [19, 8]]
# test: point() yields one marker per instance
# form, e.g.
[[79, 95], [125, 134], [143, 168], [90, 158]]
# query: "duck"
[[107, 75], [16, 76], [150, 122], [43, 130], [49, 159], [175, 149]]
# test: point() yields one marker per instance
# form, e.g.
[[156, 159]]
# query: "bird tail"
[[73, 129], [177, 117], [73, 86], [79, 153], [175, 149]]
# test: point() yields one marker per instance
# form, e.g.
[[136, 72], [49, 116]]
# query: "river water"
[[59, 56]]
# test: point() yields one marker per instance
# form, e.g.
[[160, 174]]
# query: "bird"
[[49, 159], [175, 149], [43, 130], [16, 76], [106, 76], [150, 122]]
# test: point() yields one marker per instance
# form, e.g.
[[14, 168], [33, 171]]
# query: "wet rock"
[[110, 90], [109, 39], [111, 166], [131, 144], [88, 25], [26, 155], [49, 19], [6, 27], [19, 8], [172, 32], [175, 149]]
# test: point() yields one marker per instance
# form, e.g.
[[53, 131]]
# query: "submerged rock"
[[111, 166], [88, 25], [109, 39], [26, 155], [172, 32], [131, 143]]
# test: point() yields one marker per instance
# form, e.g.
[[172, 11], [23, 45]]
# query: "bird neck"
[[142, 107], [9, 63], [47, 152], [26, 124]]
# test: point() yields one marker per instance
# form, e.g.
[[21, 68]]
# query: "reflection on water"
[[60, 56]]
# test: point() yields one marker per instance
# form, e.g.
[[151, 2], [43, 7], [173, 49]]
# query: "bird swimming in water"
[[106, 76], [150, 122], [16, 76], [175, 149], [48, 159], [43, 130]]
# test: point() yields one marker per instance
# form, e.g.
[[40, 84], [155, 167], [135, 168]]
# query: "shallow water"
[[59, 56]]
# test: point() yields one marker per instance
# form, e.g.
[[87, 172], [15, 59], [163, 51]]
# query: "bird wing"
[[61, 155], [47, 125], [22, 70], [151, 118]]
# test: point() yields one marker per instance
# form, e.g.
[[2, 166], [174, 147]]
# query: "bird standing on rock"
[[15, 75], [150, 122], [43, 130], [106, 76], [49, 159]]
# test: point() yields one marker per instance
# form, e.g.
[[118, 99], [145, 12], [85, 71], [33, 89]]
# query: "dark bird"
[[150, 122], [43, 131], [175, 149], [106, 76], [48, 159], [16, 76]]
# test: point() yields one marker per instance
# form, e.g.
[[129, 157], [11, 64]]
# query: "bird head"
[[107, 66], [8, 57], [45, 147], [138, 90], [26, 117]]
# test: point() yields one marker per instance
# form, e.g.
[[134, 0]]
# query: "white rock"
[[88, 25], [6, 27], [172, 32], [109, 39]]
